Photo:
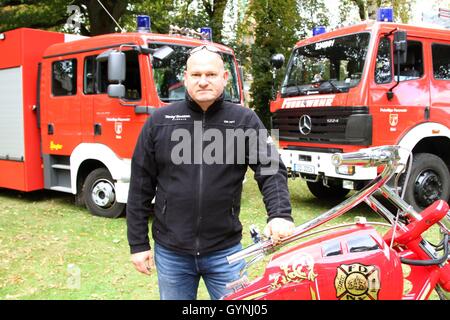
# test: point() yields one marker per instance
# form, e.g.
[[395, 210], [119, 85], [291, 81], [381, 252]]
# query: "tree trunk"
[[372, 9], [215, 14], [100, 21], [361, 4]]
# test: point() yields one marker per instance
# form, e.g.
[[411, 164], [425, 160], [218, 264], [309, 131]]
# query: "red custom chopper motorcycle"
[[354, 261]]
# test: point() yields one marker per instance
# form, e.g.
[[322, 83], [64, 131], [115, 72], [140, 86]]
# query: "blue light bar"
[[385, 14], [318, 30], [143, 23], [208, 32]]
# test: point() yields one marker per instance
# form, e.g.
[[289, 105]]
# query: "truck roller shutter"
[[11, 119]]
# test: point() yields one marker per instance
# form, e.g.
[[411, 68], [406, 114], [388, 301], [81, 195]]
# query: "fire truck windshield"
[[169, 75], [329, 66]]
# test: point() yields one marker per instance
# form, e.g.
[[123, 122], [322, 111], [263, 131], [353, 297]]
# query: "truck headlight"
[[346, 170]]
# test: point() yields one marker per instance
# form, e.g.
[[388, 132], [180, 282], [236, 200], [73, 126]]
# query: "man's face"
[[205, 77]]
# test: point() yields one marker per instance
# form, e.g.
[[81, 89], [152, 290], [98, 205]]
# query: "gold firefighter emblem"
[[357, 282]]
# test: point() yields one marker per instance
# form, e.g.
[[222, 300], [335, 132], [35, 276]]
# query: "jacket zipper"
[[164, 210], [199, 216], [232, 207], [233, 214]]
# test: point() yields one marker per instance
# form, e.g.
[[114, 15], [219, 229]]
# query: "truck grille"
[[327, 124]]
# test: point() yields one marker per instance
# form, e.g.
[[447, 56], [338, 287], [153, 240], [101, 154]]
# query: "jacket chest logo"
[[178, 117]]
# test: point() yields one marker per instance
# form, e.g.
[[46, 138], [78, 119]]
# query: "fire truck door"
[[114, 122], [61, 130], [439, 82], [411, 97], [87, 99]]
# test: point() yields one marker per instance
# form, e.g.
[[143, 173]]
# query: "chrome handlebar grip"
[[370, 157], [244, 253], [257, 248]]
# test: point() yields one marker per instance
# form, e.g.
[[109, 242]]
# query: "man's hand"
[[143, 261], [279, 228]]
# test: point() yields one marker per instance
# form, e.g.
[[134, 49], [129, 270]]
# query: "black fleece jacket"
[[198, 182]]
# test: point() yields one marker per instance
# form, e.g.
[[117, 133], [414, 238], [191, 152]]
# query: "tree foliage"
[[215, 10], [163, 13], [55, 14], [367, 9], [275, 27], [46, 14], [182, 13], [94, 20]]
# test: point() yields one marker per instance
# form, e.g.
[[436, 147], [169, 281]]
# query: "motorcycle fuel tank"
[[351, 264]]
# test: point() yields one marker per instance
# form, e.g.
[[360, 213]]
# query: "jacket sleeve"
[[142, 190], [270, 172]]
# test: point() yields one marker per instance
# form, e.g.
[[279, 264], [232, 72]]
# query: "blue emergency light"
[[208, 32], [143, 23], [318, 30], [385, 14]]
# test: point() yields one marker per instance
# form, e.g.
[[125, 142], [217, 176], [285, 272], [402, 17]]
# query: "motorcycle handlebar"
[[254, 249], [384, 155]]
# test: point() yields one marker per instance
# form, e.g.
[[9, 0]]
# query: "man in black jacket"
[[193, 155]]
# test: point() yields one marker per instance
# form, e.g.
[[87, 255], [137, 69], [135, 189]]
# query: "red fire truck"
[[65, 127], [371, 84]]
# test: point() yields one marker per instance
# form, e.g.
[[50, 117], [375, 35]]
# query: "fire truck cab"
[[370, 84], [63, 126]]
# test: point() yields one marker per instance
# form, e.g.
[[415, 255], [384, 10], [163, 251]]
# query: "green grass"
[[42, 233]]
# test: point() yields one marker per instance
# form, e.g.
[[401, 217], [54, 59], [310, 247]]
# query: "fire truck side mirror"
[[400, 50], [116, 66], [116, 91], [400, 46], [277, 60]]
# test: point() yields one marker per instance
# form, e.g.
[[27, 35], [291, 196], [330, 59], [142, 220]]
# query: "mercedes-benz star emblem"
[[305, 124]]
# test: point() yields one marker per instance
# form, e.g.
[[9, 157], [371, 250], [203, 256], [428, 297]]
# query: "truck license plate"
[[304, 168]]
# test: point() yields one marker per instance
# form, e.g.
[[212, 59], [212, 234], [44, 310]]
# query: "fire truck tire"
[[331, 192], [429, 181], [99, 194]]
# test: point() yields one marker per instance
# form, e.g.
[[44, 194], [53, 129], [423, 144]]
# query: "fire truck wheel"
[[331, 192], [429, 181], [100, 196]]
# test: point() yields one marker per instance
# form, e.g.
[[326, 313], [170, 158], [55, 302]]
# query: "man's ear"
[[226, 74], [185, 79]]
